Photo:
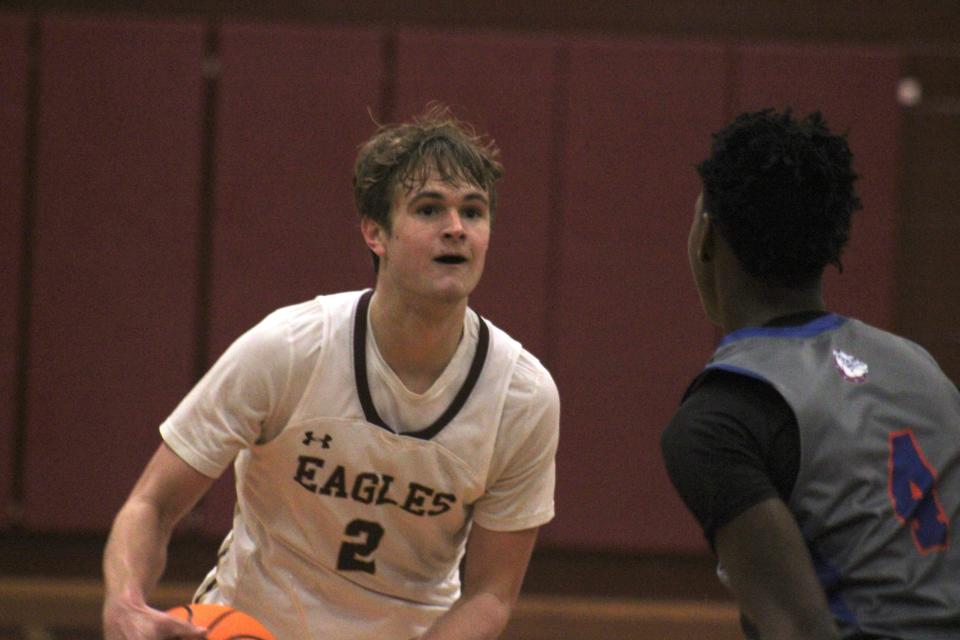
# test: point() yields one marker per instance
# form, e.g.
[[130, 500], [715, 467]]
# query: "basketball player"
[[378, 435], [820, 455]]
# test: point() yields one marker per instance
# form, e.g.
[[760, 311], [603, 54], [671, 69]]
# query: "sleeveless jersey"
[[348, 527], [877, 495]]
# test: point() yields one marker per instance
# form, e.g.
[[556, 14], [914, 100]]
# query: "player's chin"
[[454, 290]]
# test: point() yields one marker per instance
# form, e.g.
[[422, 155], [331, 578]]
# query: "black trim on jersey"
[[205, 590], [363, 383]]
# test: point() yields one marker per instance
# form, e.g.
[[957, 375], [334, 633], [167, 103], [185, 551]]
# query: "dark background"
[[170, 174]]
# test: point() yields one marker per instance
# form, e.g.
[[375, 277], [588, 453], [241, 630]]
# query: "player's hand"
[[131, 621]]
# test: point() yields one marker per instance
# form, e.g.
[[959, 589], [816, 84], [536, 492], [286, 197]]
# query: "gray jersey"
[[877, 496]]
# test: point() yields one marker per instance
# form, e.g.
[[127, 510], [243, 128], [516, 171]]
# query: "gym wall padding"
[[630, 330], [293, 103], [114, 273], [856, 90], [588, 264], [14, 36], [504, 85]]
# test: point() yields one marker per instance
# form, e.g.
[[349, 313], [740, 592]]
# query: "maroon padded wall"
[[855, 89], [13, 128], [112, 338], [293, 104], [587, 267], [505, 86], [631, 332]]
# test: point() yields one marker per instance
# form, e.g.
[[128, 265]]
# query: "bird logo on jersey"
[[850, 367]]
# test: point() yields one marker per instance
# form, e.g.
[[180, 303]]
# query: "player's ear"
[[374, 235], [705, 237]]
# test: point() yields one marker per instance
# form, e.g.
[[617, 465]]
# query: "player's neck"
[[416, 339], [754, 305]]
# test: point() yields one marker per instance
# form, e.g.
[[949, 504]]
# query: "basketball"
[[222, 622]]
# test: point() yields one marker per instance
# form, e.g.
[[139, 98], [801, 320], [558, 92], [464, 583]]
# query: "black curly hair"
[[780, 190]]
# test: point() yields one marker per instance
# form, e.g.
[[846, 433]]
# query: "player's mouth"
[[451, 258]]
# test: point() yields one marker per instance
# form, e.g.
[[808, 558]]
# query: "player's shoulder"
[[532, 385], [529, 377], [321, 305], [311, 314], [530, 368], [302, 327], [885, 337]]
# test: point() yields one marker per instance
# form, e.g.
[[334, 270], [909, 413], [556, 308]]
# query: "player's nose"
[[453, 224]]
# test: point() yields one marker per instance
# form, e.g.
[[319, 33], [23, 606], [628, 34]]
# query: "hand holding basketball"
[[129, 619], [222, 622]]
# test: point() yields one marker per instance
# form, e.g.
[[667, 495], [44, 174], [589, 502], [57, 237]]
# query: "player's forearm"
[[481, 616], [136, 552], [793, 624], [790, 630]]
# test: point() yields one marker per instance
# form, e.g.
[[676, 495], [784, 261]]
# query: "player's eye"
[[473, 212], [428, 210]]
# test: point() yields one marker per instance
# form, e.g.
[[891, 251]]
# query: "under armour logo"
[[324, 441]]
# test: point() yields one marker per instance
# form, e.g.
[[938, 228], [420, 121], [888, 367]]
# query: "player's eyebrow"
[[436, 195]]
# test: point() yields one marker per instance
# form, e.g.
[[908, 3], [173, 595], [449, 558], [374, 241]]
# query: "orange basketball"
[[222, 622]]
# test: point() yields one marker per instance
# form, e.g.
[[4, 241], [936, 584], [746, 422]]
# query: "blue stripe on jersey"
[[830, 578], [812, 328]]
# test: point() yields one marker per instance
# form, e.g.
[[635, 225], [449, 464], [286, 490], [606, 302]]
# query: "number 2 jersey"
[[877, 492], [355, 496]]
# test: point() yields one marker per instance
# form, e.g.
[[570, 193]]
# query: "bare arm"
[[772, 575], [496, 562], [136, 551]]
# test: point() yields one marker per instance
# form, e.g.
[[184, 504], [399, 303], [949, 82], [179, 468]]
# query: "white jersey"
[[355, 496]]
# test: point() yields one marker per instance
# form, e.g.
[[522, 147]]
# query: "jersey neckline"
[[806, 330], [363, 383]]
